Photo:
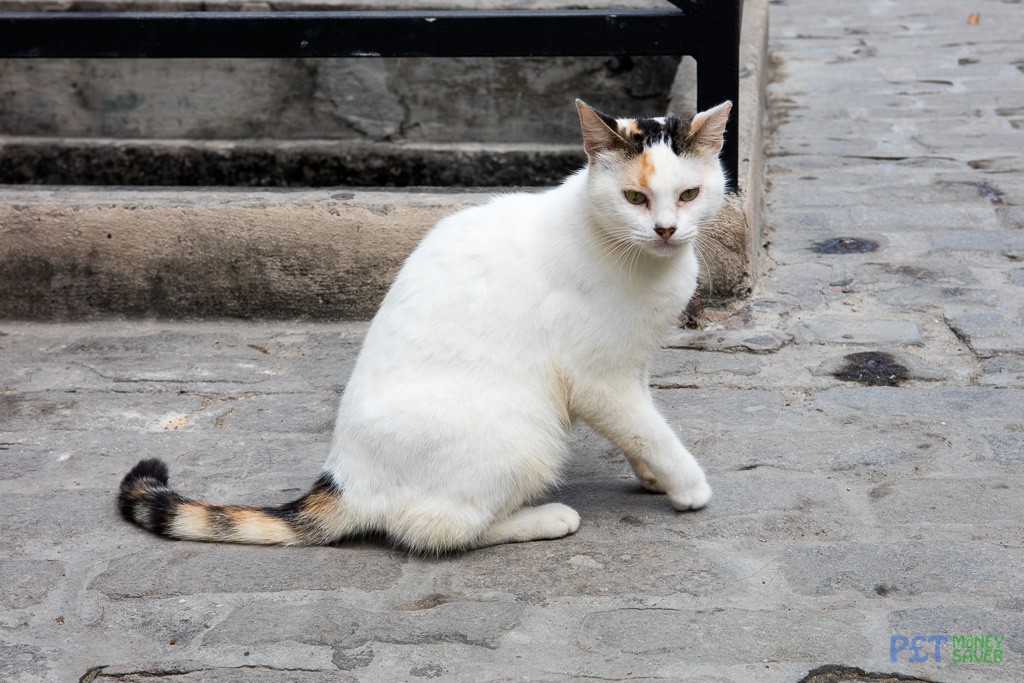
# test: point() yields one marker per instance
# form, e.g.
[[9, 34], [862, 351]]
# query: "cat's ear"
[[707, 131], [599, 134]]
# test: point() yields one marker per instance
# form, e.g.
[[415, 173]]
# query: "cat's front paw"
[[693, 497]]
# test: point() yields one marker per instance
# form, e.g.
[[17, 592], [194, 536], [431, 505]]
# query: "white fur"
[[507, 323]]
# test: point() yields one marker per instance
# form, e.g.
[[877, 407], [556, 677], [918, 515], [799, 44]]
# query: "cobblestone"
[[858, 331]]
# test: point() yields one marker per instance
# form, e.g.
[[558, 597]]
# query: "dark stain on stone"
[[990, 192], [845, 245], [10, 405], [884, 589], [984, 189], [873, 369], [428, 671], [630, 520], [838, 673], [908, 272], [429, 602], [349, 659], [880, 491]]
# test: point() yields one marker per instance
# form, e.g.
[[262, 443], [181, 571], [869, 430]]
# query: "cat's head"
[[654, 181]]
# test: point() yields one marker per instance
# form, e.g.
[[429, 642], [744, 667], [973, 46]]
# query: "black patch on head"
[[650, 132]]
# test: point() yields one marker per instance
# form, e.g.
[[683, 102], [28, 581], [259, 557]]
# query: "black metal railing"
[[707, 30]]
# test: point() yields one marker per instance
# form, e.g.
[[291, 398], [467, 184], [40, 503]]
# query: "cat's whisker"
[[709, 242], [707, 276], [621, 251], [637, 252], [614, 252], [704, 276], [706, 240]]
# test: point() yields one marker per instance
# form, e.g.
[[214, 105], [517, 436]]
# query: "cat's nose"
[[664, 233]]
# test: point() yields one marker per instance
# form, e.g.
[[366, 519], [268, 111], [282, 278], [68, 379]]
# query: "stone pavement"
[[860, 419]]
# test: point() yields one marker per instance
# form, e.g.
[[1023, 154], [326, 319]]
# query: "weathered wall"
[[420, 100]]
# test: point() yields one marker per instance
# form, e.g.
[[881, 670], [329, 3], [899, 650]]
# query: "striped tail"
[[317, 518]]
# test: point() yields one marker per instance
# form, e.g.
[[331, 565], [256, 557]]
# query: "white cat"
[[510, 321]]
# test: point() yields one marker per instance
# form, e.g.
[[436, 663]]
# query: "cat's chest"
[[616, 322]]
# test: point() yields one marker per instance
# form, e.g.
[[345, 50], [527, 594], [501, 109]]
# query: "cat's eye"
[[634, 197], [689, 195]]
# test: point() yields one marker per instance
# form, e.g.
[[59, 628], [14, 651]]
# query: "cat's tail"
[[317, 518]]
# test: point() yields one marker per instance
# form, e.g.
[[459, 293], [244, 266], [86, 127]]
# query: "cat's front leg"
[[644, 474], [625, 415]]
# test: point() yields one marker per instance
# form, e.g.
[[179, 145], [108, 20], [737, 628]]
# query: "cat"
[[509, 322]]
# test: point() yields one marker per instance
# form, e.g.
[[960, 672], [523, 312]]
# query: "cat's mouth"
[[666, 247], [662, 248]]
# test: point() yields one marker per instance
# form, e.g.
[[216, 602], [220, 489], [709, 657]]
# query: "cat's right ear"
[[706, 134], [599, 134]]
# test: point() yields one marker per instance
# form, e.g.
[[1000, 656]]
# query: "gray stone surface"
[[856, 330], [843, 514]]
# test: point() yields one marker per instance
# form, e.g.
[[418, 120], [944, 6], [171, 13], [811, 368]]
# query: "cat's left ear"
[[706, 134], [599, 134]]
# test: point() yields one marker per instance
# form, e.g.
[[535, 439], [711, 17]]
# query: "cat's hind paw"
[[543, 522], [693, 497], [554, 520]]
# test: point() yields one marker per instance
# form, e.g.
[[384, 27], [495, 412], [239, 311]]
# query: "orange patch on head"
[[644, 169]]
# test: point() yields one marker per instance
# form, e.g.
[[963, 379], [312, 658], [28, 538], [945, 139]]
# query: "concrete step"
[[69, 253]]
